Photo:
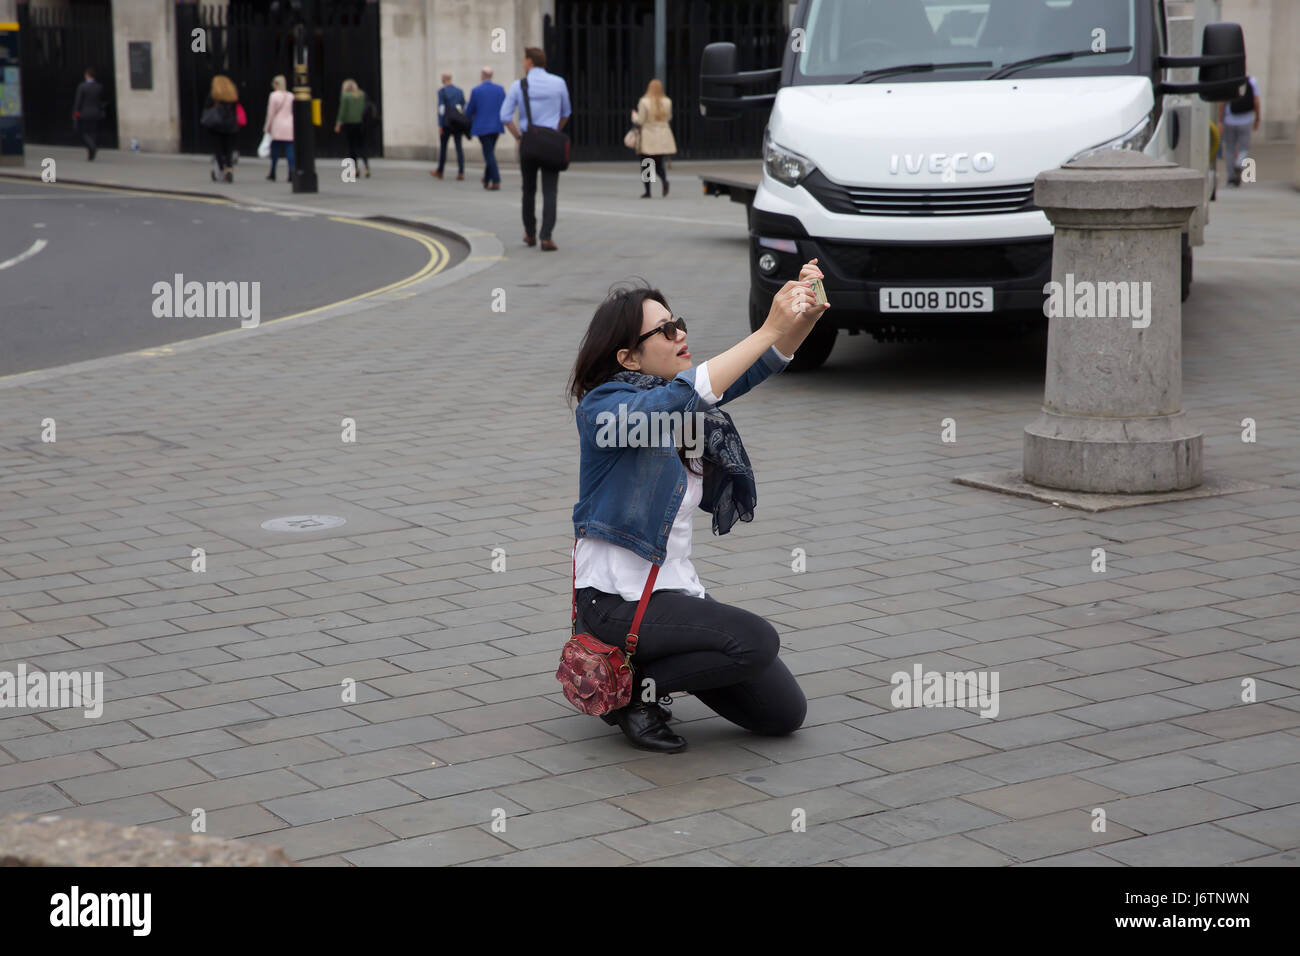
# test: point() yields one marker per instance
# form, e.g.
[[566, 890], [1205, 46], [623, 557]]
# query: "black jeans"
[[660, 173], [529, 168], [725, 656], [356, 137], [442, 150], [223, 148]]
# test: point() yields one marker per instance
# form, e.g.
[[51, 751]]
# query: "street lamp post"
[[304, 133]]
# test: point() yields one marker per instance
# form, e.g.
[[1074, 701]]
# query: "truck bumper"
[[856, 272]]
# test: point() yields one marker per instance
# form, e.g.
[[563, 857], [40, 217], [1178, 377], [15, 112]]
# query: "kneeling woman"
[[636, 503]]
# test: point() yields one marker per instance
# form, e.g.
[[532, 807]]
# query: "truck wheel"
[[816, 349], [1186, 268]]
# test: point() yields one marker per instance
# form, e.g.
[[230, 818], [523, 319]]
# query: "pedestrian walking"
[[453, 123], [279, 125], [634, 364], [545, 97], [652, 116], [484, 112], [351, 120], [220, 117], [88, 110], [1237, 118]]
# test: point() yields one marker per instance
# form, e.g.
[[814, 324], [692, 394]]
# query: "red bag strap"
[[633, 636]]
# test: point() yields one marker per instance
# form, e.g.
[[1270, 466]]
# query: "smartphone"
[[819, 290]]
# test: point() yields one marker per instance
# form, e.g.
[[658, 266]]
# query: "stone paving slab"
[[375, 694]]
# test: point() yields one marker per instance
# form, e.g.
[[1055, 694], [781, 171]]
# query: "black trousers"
[[356, 138], [725, 656], [445, 135], [660, 173], [223, 147], [89, 130], [529, 168]]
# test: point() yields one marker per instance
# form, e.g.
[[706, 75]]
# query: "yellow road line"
[[439, 258]]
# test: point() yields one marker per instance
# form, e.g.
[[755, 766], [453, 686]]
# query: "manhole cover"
[[304, 523]]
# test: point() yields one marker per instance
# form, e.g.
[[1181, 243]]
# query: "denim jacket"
[[630, 496]]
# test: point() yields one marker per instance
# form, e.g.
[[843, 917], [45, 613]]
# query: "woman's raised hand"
[[809, 271], [795, 302]]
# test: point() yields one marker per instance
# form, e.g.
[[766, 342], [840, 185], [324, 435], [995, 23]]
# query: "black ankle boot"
[[662, 706], [644, 726]]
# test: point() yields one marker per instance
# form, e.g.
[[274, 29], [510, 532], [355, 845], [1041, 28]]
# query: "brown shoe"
[[548, 246], [460, 175], [530, 240], [494, 185], [435, 174]]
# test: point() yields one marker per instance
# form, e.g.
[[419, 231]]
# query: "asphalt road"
[[78, 267]]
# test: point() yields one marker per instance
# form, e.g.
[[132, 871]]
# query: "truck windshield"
[[845, 38]]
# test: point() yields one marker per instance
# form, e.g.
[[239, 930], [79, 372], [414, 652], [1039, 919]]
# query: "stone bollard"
[[1112, 419]]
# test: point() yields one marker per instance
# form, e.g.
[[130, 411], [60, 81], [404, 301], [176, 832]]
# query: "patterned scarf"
[[729, 489]]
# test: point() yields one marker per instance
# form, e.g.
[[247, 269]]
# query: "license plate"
[[937, 300]]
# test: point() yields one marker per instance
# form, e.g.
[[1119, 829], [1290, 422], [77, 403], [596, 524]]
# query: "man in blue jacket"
[[451, 101], [484, 112]]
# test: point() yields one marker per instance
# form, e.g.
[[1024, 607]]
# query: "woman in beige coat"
[[652, 115]]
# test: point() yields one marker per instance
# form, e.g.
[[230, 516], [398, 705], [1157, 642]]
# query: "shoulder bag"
[[549, 148], [597, 677]]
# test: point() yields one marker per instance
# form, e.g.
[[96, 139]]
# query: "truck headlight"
[[1135, 139], [783, 165]]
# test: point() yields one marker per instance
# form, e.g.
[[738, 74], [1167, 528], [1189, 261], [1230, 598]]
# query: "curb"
[[485, 249]]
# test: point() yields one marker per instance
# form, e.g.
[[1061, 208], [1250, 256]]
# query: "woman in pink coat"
[[279, 123]]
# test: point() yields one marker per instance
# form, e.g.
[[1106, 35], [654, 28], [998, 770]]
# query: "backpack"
[[1245, 103]]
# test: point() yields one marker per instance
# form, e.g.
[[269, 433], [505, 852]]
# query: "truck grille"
[[931, 263], [954, 201]]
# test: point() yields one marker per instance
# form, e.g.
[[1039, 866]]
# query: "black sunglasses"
[[669, 330]]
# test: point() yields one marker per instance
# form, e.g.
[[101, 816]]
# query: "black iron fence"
[[604, 49], [56, 45], [243, 41]]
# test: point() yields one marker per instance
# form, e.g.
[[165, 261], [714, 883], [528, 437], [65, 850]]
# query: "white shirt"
[[616, 570]]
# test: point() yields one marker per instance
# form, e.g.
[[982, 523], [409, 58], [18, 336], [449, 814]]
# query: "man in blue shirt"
[[484, 112], [451, 100], [549, 98]]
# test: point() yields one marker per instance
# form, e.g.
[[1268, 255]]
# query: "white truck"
[[905, 137]]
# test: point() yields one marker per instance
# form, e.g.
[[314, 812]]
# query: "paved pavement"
[[1119, 690]]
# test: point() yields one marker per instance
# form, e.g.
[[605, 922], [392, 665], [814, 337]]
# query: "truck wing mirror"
[[1222, 63], [720, 96]]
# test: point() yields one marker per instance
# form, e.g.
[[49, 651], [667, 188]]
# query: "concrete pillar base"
[[1110, 456]]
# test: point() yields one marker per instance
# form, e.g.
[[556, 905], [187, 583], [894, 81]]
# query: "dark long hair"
[[616, 325]]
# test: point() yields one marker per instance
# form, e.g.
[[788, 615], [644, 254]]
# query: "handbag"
[[264, 147], [240, 116], [548, 148], [213, 118], [597, 677], [632, 139], [455, 121]]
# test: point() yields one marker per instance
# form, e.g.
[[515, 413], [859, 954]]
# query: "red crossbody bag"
[[597, 677]]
